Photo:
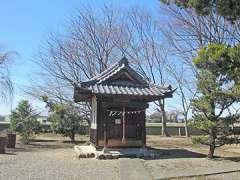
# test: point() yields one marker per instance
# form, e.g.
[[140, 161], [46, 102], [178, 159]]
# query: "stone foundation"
[[89, 151]]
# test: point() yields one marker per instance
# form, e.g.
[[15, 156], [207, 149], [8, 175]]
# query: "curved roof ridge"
[[108, 72], [115, 65]]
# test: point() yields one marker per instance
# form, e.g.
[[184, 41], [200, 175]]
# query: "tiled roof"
[[152, 90], [109, 83]]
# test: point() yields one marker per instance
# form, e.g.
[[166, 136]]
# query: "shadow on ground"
[[177, 153], [172, 153], [42, 144], [235, 159], [43, 140], [76, 142]]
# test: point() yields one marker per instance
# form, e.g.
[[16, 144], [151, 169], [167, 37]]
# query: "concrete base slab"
[[89, 151], [135, 152]]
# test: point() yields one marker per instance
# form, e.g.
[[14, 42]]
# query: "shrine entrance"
[[127, 124]]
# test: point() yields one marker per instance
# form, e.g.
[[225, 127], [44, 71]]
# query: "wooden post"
[[144, 129], [105, 119], [124, 127], [105, 135]]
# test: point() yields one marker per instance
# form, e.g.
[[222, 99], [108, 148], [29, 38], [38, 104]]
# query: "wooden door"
[[133, 126], [115, 126]]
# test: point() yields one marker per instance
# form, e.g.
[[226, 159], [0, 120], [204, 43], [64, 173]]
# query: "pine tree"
[[218, 85]]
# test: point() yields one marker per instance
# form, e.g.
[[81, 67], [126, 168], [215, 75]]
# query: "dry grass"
[[179, 143], [53, 141], [51, 137], [186, 143], [187, 159]]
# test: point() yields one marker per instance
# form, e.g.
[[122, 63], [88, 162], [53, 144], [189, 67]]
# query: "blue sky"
[[25, 25]]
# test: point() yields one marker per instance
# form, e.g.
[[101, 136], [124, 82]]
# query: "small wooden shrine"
[[119, 97]]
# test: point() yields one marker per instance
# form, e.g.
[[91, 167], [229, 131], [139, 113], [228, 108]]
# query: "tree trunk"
[[212, 138], [72, 136], [164, 119], [164, 124], [211, 152], [186, 127]]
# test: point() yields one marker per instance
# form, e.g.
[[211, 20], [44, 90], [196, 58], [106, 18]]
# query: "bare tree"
[[186, 90], [6, 87], [185, 32], [147, 52], [93, 42], [86, 49]]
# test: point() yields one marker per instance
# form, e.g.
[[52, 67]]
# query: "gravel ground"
[[54, 159], [55, 164]]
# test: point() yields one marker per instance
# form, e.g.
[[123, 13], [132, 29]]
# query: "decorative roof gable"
[[118, 74]]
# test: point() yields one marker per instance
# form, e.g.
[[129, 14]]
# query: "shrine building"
[[119, 97]]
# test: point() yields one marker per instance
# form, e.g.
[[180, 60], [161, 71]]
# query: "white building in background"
[[2, 118], [41, 119], [5, 118]]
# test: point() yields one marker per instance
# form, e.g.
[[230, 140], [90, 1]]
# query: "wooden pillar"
[[93, 125], [144, 130], [97, 121], [124, 126], [105, 124], [105, 135]]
